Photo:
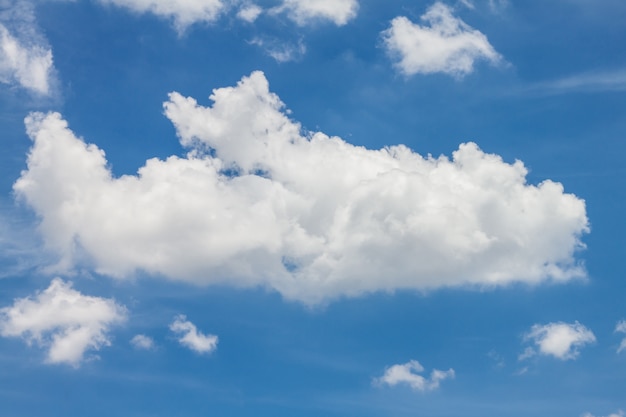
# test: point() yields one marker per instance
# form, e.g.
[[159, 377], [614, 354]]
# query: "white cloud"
[[561, 340], [619, 413], [25, 62], [446, 44], [184, 13], [63, 320], [249, 12], [189, 336], [621, 328], [279, 50], [408, 373], [142, 342], [304, 12], [308, 215]]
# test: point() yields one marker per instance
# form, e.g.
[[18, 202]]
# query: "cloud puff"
[[256, 202], [25, 62], [446, 44], [63, 320], [408, 373], [621, 328], [189, 336], [304, 12], [142, 342], [561, 340], [249, 12], [183, 13]]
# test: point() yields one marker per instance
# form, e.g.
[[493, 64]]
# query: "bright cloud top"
[[189, 336], [446, 44], [26, 64], [62, 319], [621, 328], [304, 12], [560, 340], [310, 216], [183, 13], [408, 373]]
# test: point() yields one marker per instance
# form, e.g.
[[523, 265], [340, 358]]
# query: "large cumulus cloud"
[[257, 201]]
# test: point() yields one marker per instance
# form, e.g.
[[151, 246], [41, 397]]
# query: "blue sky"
[[305, 208]]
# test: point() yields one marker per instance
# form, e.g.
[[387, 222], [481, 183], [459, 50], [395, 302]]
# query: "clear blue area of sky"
[[280, 358]]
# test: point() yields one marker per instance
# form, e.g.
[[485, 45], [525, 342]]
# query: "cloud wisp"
[[259, 202], [25, 58], [559, 340], [618, 413], [189, 336], [443, 44], [409, 374], [621, 328], [62, 320]]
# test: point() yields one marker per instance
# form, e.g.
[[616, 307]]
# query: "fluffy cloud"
[[25, 62], [561, 340], [446, 44], [63, 320], [256, 202], [621, 328], [142, 342], [304, 12], [183, 13], [408, 373], [189, 336]]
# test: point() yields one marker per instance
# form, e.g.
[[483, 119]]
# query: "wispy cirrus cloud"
[[621, 328], [588, 82], [618, 413]]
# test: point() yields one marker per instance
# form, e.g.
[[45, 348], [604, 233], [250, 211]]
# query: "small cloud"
[[62, 320], [621, 328], [182, 13], [279, 50], [189, 336], [142, 342], [560, 340], [249, 12], [25, 59], [445, 44], [305, 12], [408, 373]]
